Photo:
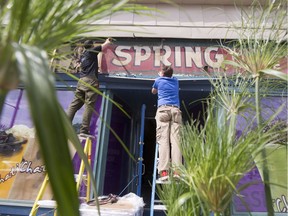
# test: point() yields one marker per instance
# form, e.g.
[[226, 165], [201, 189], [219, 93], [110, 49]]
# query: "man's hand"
[[78, 64], [106, 43]]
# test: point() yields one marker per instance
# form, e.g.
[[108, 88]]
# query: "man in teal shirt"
[[168, 120]]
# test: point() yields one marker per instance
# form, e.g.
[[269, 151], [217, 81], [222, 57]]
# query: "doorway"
[[133, 93], [195, 111], [148, 156]]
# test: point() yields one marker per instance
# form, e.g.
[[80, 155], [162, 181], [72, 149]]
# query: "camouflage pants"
[[84, 95]]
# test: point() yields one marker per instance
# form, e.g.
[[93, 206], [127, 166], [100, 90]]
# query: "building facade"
[[187, 35]]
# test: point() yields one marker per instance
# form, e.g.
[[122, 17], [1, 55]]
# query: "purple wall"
[[117, 158], [254, 195]]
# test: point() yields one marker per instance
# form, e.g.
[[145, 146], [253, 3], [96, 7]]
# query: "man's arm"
[[102, 47], [154, 91], [106, 43]]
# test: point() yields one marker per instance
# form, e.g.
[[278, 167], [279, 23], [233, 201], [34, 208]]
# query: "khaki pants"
[[84, 94], [169, 121]]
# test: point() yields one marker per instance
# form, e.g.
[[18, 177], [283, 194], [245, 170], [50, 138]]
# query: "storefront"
[[128, 69]]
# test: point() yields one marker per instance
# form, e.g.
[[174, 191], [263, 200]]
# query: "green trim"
[[102, 142]]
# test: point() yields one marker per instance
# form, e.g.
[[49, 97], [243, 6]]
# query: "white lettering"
[[218, 57], [166, 55], [195, 56], [162, 58], [120, 54], [23, 167], [278, 201], [178, 56], [157, 56], [138, 54]]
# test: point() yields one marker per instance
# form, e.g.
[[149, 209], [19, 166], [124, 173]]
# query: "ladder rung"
[[47, 203], [160, 207], [162, 182]]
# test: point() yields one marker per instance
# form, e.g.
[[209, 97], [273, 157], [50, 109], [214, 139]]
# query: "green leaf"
[[35, 27], [3, 94], [72, 136], [232, 63], [50, 129], [100, 93], [276, 73]]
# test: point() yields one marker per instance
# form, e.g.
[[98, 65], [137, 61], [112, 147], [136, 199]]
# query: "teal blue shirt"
[[168, 91]]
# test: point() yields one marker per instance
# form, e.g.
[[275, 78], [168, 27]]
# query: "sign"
[[147, 60], [145, 57], [186, 58], [22, 172]]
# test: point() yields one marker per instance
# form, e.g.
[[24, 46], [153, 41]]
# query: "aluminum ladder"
[[155, 204]]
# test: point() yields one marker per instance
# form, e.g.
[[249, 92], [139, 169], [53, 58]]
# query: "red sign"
[[147, 60]]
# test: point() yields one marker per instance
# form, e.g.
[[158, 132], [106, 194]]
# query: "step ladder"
[[156, 204], [78, 178]]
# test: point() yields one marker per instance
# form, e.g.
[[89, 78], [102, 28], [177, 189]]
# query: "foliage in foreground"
[[258, 51], [215, 156], [30, 30]]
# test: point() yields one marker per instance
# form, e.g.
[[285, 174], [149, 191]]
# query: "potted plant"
[[258, 51], [215, 156]]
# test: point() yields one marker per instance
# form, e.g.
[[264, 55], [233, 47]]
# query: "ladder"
[[79, 178], [141, 144], [155, 204]]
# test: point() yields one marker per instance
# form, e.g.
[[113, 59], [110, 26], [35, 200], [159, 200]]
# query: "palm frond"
[[29, 30], [48, 120], [262, 39], [213, 164]]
